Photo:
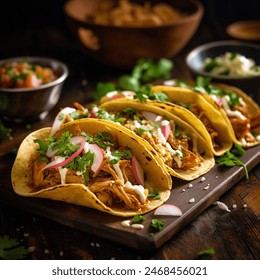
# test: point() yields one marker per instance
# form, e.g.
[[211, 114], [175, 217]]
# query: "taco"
[[217, 131], [92, 163], [184, 151], [240, 111]]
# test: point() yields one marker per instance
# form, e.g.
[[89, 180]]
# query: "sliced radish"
[[168, 210], [151, 116], [166, 130], [59, 119], [128, 93], [138, 171], [116, 95], [50, 153], [58, 163], [98, 155]]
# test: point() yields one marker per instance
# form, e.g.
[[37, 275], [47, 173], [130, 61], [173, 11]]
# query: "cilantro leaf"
[[154, 194], [102, 89], [206, 254], [11, 249], [157, 225], [138, 219], [4, 132], [230, 159], [145, 71], [117, 155]]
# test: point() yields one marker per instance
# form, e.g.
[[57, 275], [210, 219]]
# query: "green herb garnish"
[[4, 132], [154, 194], [230, 159], [144, 72], [157, 225], [138, 219], [11, 249], [206, 254]]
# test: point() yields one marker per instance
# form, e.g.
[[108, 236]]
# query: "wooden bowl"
[[122, 46], [245, 30]]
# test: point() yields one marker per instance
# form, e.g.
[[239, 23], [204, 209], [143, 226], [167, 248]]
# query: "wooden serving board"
[[219, 180]]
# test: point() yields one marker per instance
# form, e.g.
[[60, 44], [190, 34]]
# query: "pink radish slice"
[[74, 140], [166, 130], [151, 116], [138, 171], [98, 155], [59, 120], [168, 210]]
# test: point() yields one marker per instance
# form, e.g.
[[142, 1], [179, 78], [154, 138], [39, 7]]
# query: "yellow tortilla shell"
[[155, 173]]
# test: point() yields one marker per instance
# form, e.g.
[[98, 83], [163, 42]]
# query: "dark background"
[[39, 27]]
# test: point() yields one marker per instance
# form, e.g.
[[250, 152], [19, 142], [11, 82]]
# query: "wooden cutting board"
[[219, 180]]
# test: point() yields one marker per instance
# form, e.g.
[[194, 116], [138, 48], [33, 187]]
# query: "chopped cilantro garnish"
[[103, 139], [81, 162], [11, 249], [154, 194], [203, 84], [138, 219], [230, 158], [145, 71], [103, 114], [157, 225], [4, 132], [118, 155]]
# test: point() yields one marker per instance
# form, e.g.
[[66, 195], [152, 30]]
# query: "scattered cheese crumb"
[[31, 249], [183, 190], [192, 200], [222, 205], [216, 176], [190, 185], [126, 223], [203, 179], [137, 226], [245, 205], [234, 206], [206, 188]]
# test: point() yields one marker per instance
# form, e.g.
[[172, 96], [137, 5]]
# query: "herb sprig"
[[11, 249], [230, 158], [144, 72]]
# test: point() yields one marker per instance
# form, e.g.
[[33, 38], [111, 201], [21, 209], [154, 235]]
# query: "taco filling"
[[171, 142], [238, 109]]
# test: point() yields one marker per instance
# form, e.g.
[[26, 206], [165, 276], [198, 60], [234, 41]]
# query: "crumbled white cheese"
[[222, 206], [203, 179], [190, 185], [206, 188], [192, 200], [137, 226], [126, 223]]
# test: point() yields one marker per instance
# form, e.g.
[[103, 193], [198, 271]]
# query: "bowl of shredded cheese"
[[231, 62]]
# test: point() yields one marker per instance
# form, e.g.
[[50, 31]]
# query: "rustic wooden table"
[[233, 235]]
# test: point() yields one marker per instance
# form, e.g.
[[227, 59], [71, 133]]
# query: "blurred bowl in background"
[[34, 103], [250, 84], [122, 46], [245, 30]]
